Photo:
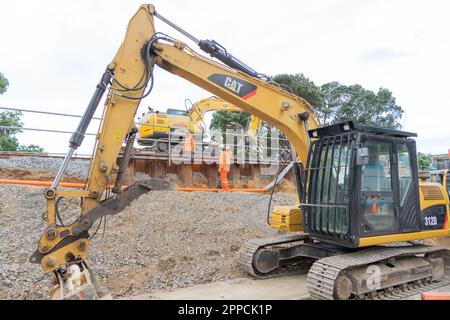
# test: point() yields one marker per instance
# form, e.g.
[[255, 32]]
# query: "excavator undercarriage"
[[381, 272]]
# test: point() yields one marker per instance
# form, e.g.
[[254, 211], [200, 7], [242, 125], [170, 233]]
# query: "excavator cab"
[[361, 211], [361, 181]]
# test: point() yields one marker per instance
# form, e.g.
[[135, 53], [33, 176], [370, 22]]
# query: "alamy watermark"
[[199, 147]]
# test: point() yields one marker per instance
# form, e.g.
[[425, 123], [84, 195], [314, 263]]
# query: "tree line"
[[333, 103], [11, 119]]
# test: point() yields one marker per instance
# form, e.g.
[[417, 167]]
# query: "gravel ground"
[[77, 168], [163, 240]]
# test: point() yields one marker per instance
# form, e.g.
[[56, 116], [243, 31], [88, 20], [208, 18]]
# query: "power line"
[[46, 112], [41, 130]]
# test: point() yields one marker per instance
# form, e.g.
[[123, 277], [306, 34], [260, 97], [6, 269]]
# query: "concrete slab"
[[283, 288]]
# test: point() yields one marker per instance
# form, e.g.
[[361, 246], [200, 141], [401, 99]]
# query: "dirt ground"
[[10, 168], [35, 175], [163, 240]]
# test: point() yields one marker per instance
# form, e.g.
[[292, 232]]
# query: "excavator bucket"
[[78, 283]]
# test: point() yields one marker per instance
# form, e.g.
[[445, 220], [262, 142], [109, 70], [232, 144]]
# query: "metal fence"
[[266, 145]]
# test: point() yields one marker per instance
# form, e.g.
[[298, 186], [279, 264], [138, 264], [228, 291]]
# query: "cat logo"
[[239, 87], [233, 85]]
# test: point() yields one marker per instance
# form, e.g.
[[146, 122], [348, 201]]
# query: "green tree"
[[8, 141], [357, 103], [32, 148], [222, 119], [424, 161], [302, 86], [297, 84], [4, 83], [8, 119], [332, 102]]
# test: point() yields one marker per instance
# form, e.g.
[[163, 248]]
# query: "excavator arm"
[[200, 108], [292, 115], [63, 248]]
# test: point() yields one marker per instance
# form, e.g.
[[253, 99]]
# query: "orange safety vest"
[[225, 160], [189, 144]]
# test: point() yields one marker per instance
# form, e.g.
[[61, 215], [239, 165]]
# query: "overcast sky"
[[54, 52]]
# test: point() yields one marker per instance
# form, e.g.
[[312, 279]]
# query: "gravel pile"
[[77, 168], [20, 226], [163, 240]]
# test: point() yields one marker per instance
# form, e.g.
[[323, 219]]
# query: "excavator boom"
[[63, 248]]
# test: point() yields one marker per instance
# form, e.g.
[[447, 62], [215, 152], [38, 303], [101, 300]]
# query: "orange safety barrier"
[[436, 296], [41, 183], [220, 190], [81, 185]]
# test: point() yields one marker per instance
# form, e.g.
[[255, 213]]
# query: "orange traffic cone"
[[374, 206]]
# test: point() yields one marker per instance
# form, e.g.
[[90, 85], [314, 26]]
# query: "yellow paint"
[[118, 117], [153, 122], [117, 135], [60, 256], [266, 104], [287, 218], [373, 241]]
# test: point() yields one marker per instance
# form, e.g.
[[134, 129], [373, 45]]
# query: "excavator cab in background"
[[154, 127], [442, 177]]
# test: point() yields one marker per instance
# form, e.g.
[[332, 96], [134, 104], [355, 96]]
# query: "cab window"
[[404, 171], [377, 196], [176, 112]]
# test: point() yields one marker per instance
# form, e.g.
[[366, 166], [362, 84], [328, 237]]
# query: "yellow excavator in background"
[[437, 176], [361, 213], [200, 108], [155, 126]]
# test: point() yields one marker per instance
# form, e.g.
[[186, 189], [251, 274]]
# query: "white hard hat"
[[221, 147]]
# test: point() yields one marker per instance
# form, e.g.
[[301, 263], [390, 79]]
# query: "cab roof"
[[349, 126]]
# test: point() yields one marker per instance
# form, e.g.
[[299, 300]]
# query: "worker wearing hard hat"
[[224, 165]]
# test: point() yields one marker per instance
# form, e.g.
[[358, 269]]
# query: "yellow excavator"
[[362, 212], [200, 108], [155, 126], [442, 177]]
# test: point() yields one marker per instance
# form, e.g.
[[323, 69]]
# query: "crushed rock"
[[76, 168], [163, 240]]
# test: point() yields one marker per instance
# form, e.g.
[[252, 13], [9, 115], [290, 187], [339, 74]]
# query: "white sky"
[[54, 52]]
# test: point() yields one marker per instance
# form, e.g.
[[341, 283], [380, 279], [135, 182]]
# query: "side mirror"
[[362, 156]]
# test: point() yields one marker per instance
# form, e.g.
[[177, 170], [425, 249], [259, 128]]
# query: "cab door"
[[378, 198], [406, 185]]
